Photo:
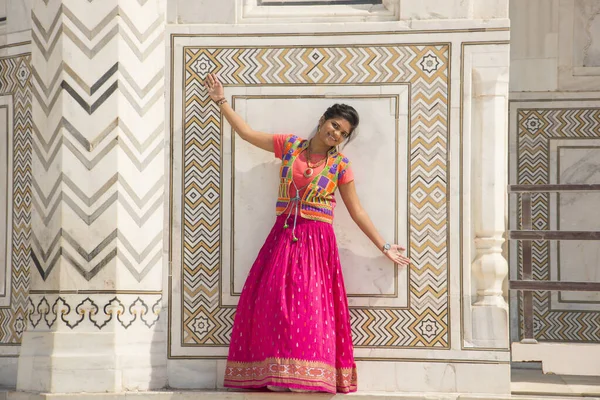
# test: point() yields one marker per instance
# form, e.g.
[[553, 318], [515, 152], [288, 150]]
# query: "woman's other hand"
[[214, 87], [395, 254]]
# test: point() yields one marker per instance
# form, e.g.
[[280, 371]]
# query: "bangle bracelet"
[[220, 102]]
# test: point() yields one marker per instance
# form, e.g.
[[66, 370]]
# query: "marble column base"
[[72, 362], [490, 326], [8, 371]]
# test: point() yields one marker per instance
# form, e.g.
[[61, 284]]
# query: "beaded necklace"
[[308, 172]]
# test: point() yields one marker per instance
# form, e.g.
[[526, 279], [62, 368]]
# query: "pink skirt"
[[292, 325]]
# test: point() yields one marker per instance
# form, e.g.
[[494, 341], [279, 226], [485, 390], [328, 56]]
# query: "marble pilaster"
[[93, 315], [488, 182]]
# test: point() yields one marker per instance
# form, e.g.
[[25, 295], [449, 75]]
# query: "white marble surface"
[[587, 33], [554, 45], [366, 270], [248, 11], [534, 45], [489, 9], [390, 376], [485, 83], [8, 371], [404, 36], [534, 75], [574, 43], [202, 11], [6, 153], [454, 9], [101, 361], [561, 358], [578, 260], [193, 374], [18, 15]]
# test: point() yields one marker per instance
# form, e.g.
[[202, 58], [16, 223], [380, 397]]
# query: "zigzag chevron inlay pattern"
[[425, 324], [536, 127], [15, 76], [98, 152]]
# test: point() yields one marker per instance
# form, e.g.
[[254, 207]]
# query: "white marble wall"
[[477, 108], [554, 45], [445, 22]]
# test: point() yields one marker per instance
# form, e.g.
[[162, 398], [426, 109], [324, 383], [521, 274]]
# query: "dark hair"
[[346, 112]]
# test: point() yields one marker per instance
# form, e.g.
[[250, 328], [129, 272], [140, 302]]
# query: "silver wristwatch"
[[386, 247]]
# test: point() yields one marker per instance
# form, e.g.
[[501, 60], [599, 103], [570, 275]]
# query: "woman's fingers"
[[402, 260], [399, 259]]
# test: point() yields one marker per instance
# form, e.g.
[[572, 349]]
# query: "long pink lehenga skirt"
[[292, 326]]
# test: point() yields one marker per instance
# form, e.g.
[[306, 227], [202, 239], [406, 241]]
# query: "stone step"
[[212, 395]]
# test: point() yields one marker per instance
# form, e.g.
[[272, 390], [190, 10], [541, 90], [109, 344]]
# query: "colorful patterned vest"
[[315, 203]]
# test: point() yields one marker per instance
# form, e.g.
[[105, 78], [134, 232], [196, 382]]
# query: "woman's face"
[[334, 131]]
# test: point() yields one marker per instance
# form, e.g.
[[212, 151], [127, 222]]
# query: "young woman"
[[292, 325]]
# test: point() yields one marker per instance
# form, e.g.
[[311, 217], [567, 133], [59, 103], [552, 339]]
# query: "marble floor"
[[527, 384]]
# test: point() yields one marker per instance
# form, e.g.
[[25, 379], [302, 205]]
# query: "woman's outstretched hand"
[[395, 254], [214, 87]]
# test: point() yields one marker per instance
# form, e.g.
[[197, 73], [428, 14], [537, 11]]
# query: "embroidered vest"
[[315, 203]]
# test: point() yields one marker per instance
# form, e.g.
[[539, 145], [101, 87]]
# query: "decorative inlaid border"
[[15, 72], [426, 69], [536, 127]]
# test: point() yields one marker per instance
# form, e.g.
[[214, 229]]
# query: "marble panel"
[[488, 9], [253, 11], [313, 2], [434, 9], [563, 138], [533, 75], [18, 15], [6, 199], [578, 45], [534, 29], [8, 371], [16, 112], [196, 374], [586, 35], [453, 9], [366, 271], [561, 358], [193, 342], [197, 331], [429, 377], [205, 11], [577, 261]]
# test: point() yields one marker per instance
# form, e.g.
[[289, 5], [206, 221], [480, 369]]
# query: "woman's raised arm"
[[256, 138]]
